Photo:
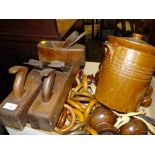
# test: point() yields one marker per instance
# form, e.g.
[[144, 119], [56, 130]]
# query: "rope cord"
[[125, 118]]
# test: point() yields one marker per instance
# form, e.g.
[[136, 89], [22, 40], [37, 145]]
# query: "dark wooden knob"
[[105, 128], [146, 101], [78, 132], [134, 127], [102, 118]]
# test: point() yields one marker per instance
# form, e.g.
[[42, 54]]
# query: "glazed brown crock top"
[[135, 42]]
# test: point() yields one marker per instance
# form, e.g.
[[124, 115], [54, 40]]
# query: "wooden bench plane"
[[47, 106], [14, 109]]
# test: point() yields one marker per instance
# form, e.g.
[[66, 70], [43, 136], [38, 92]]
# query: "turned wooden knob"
[[102, 120], [105, 128], [146, 101], [134, 127]]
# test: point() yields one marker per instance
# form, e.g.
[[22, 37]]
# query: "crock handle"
[[108, 50], [106, 46]]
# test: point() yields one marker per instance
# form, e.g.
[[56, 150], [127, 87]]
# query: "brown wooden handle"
[[48, 83], [18, 86], [77, 39], [70, 39]]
